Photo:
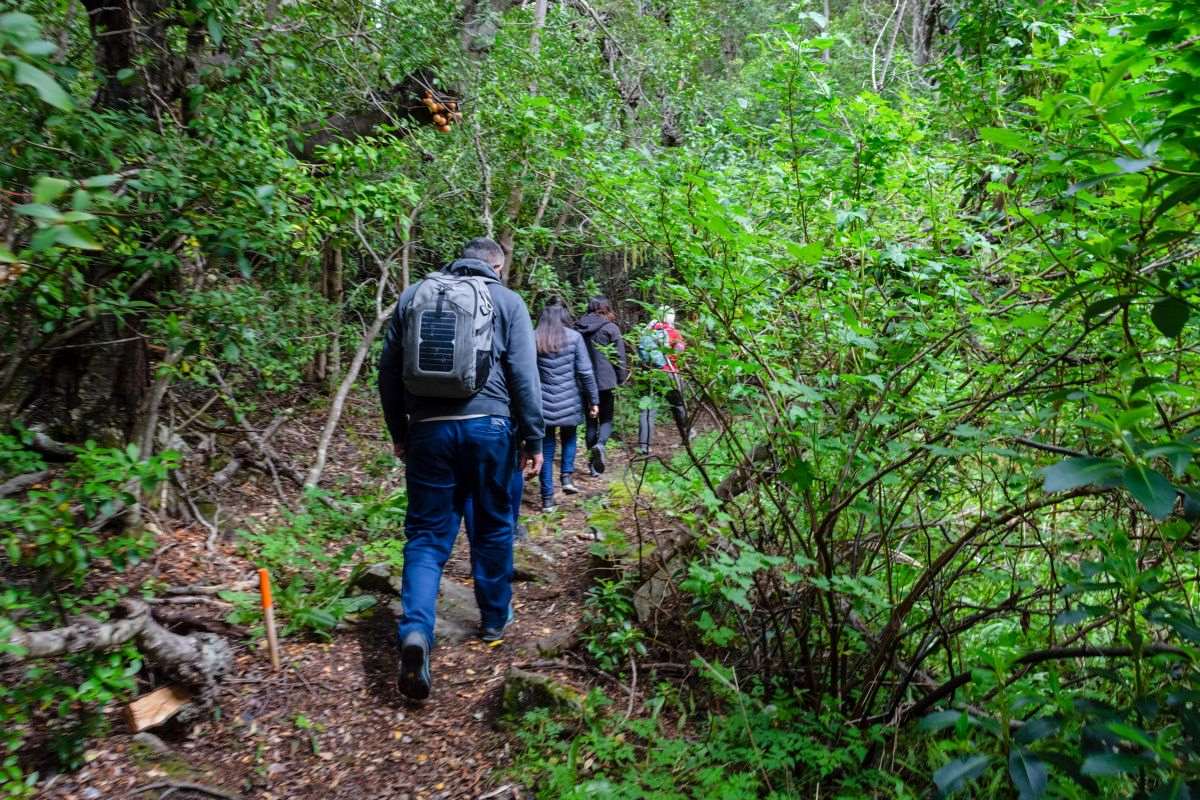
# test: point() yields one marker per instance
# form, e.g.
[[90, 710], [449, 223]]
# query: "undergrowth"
[[316, 557], [754, 744]]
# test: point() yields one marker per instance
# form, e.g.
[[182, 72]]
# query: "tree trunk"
[[337, 298], [517, 194], [924, 27]]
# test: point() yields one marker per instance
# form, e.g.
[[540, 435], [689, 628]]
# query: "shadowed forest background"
[[937, 263]]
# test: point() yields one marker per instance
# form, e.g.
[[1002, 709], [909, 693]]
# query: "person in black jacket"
[[606, 348], [567, 381]]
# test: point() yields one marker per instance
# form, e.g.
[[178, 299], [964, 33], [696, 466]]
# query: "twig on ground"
[[194, 589], [632, 687], [213, 531], [185, 600]]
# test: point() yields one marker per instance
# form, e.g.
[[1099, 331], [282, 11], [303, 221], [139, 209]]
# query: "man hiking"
[[459, 385]]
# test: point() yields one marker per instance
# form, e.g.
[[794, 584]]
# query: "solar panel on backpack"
[[438, 333]]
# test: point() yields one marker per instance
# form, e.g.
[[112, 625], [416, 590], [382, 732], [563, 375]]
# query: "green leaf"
[[1169, 315], [939, 720], [214, 31], [1028, 773], [1035, 729], [1109, 764], [21, 26], [1130, 165], [1006, 137], [1117, 72], [46, 87], [40, 211], [101, 181], [47, 190], [72, 236], [7, 256], [954, 775], [1151, 489], [37, 47], [1080, 471], [1187, 193], [805, 253], [799, 475], [1131, 734]]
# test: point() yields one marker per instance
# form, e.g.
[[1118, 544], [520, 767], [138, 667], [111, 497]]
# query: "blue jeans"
[[567, 434], [454, 465], [516, 491]]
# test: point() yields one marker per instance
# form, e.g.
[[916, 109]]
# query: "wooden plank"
[[156, 708]]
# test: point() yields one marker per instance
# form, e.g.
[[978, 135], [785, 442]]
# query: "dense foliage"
[[936, 263]]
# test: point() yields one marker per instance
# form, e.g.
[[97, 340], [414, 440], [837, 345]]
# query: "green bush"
[[316, 557], [53, 539], [760, 748]]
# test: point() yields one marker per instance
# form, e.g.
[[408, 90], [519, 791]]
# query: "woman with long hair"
[[567, 381], [606, 348]]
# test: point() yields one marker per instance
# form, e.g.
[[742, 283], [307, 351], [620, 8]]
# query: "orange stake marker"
[[264, 587]]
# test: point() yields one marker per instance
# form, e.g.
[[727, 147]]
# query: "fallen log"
[[198, 661], [744, 474], [23, 482]]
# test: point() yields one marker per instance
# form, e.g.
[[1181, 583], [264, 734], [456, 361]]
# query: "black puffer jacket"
[[562, 374], [599, 330]]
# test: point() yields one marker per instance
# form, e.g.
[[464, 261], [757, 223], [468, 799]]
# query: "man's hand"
[[531, 464], [594, 412], [398, 450]]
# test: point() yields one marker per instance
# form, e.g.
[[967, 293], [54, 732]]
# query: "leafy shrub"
[[768, 749], [610, 630], [53, 538], [316, 557]]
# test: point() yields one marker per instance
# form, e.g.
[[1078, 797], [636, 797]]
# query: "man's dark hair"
[[485, 250]]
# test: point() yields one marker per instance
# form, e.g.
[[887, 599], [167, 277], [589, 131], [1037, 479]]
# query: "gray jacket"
[[561, 374], [512, 389]]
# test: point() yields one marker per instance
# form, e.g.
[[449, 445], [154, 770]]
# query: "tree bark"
[[516, 195]]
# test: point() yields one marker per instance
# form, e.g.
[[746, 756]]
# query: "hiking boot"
[[596, 460], [414, 680], [489, 634], [548, 505], [521, 533], [568, 485]]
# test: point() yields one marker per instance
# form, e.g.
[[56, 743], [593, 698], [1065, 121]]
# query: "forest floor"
[[331, 723]]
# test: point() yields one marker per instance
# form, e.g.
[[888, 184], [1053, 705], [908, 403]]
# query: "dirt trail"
[[332, 724]]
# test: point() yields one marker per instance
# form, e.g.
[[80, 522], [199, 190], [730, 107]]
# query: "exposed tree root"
[[198, 661]]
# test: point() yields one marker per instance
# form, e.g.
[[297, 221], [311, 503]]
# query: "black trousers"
[[599, 429]]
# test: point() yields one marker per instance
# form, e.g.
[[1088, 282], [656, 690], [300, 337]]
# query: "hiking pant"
[[600, 428], [516, 491], [674, 398], [567, 433], [454, 465]]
